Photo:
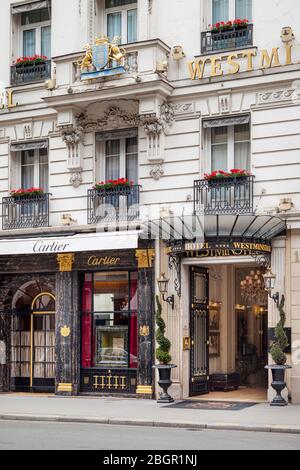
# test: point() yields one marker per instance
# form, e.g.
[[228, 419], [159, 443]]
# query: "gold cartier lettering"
[[107, 261], [266, 60], [235, 65]]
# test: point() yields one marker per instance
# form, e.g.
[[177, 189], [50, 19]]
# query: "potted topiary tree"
[[279, 357], [163, 356]]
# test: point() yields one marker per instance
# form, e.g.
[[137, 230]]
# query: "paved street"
[[27, 435]]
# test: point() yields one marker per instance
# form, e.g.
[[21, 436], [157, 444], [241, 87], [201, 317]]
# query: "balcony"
[[232, 196], [23, 74], [25, 212], [113, 205], [226, 40]]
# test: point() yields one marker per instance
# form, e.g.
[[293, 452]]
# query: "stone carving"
[[76, 179], [153, 127], [279, 95], [28, 130], [167, 113], [156, 171], [184, 108], [225, 103], [114, 118], [71, 136]]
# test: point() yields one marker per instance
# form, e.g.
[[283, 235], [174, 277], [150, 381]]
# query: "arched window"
[[44, 303]]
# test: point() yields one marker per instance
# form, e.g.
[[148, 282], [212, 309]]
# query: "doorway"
[[229, 332], [33, 342]]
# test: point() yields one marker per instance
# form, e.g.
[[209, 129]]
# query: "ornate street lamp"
[[163, 283], [270, 278]]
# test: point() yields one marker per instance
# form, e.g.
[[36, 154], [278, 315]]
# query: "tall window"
[[230, 147], [109, 320], [118, 157], [34, 169], [224, 10], [121, 19], [36, 33]]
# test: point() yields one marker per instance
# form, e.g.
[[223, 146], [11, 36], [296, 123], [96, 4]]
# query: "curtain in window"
[[27, 169], [242, 147], [43, 170], [220, 10], [112, 166], [114, 26], [243, 9], [133, 326], [86, 322], [29, 46], [132, 160], [219, 148], [46, 41], [132, 25]]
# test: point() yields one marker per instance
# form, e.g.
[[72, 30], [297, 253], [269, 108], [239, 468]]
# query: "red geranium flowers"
[[222, 26], [110, 184], [219, 174], [26, 192], [32, 60]]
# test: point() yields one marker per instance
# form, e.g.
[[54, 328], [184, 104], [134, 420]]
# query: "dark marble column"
[[67, 327], [145, 322]]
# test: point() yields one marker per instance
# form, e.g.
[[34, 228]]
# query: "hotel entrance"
[[229, 331]]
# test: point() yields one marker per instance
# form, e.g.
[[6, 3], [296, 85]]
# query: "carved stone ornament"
[[167, 113], [286, 94], [153, 126], [72, 136], [65, 262], [114, 118], [145, 258], [76, 179], [156, 171]]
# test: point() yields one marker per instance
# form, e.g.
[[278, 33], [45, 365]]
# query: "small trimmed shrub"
[[281, 340], [164, 345]]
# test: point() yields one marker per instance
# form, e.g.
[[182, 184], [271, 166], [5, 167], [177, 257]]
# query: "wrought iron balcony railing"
[[21, 74], [25, 211], [226, 40], [113, 205], [224, 196]]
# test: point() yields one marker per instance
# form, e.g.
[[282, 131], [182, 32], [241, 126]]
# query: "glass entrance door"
[[43, 351], [199, 353]]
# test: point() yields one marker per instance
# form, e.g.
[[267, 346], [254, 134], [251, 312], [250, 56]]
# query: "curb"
[[159, 424]]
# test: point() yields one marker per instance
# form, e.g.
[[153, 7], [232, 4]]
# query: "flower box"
[[234, 25], [114, 185], [220, 175], [30, 61], [26, 193]]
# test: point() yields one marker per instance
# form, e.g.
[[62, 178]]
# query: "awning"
[[42, 144], [30, 7], [70, 244], [229, 121]]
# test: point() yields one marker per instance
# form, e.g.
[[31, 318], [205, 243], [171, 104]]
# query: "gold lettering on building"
[[106, 261], [268, 61], [7, 103]]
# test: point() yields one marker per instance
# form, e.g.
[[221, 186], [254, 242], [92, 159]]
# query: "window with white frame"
[[31, 24], [121, 20], [225, 10], [229, 147], [31, 169], [117, 156]]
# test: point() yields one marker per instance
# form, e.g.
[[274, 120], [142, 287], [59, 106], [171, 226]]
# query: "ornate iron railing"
[[224, 196], [25, 211], [21, 74], [226, 40], [113, 205]]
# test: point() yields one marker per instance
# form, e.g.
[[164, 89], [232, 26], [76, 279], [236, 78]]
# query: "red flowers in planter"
[[26, 192], [219, 174], [32, 60], [110, 184], [222, 26]]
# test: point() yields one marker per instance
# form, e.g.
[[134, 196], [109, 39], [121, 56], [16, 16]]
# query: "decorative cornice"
[[65, 262], [287, 94]]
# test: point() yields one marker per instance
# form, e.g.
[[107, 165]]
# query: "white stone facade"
[[169, 109]]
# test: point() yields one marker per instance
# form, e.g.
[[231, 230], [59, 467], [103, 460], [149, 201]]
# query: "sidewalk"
[[138, 412]]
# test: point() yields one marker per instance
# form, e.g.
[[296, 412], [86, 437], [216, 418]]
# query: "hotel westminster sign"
[[217, 250], [246, 60]]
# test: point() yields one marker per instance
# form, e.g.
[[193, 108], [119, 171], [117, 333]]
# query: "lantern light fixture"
[[270, 278], [163, 283]]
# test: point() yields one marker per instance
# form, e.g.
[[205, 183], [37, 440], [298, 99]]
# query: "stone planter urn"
[[278, 383], [165, 382]]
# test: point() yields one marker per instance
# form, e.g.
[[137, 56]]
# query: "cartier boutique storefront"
[[77, 321]]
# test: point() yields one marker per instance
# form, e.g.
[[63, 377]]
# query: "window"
[[36, 33], [109, 320], [224, 10], [34, 169], [121, 20], [230, 147], [118, 157]]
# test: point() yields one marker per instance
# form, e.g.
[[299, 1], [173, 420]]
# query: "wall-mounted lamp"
[[163, 283], [270, 278]]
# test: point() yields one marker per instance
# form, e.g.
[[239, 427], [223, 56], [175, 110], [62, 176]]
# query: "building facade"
[[147, 91]]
